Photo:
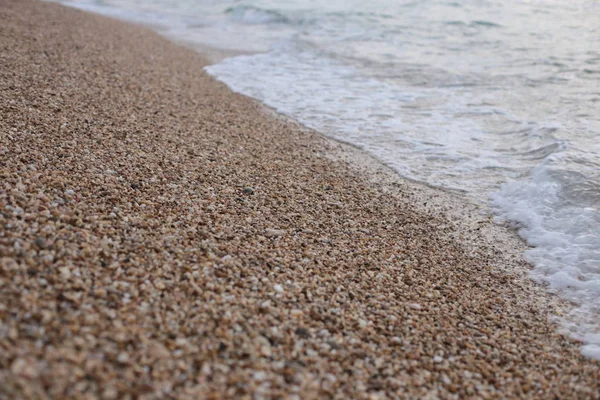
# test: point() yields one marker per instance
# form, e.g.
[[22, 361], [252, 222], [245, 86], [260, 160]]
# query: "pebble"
[[123, 358], [24, 368], [274, 232], [294, 312]]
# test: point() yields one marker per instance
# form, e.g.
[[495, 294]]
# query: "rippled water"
[[497, 99]]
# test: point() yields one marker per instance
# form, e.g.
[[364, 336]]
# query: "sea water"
[[497, 99]]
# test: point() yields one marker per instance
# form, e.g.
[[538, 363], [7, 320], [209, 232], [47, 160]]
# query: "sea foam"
[[565, 240]]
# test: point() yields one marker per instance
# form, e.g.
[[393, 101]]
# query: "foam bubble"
[[254, 15]]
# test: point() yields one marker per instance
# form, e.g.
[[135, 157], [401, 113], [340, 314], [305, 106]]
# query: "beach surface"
[[164, 237]]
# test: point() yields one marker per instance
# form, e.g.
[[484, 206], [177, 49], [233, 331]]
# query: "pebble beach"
[[164, 237]]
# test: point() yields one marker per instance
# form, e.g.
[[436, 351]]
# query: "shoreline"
[[473, 222], [164, 236]]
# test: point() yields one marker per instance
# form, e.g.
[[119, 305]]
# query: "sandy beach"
[[164, 237]]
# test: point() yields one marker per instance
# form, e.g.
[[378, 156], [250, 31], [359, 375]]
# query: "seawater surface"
[[497, 99]]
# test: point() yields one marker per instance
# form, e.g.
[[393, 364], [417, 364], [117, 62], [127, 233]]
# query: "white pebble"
[[259, 376], [123, 358], [274, 232]]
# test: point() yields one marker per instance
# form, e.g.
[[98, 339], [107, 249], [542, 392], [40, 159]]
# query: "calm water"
[[498, 99]]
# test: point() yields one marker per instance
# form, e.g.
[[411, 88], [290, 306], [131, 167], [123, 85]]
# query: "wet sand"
[[163, 237]]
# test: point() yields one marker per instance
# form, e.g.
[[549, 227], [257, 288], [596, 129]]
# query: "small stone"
[[65, 272], [248, 190], [42, 197], [437, 359], [278, 288], [446, 379], [24, 368], [274, 232], [110, 393], [123, 358], [302, 332], [40, 243], [159, 351], [265, 304], [415, 306], [324, 333], [259, 376], [296, 313], [159, 284], [13, 333], [265, 346]]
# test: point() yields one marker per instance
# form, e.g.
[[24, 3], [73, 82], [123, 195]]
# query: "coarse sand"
[[163, 237]]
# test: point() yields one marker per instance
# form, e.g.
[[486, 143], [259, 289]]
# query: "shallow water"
[[497, 99]]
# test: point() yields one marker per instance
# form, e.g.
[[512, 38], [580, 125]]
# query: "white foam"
[[424, 133], [254, 15], [566, 246]]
